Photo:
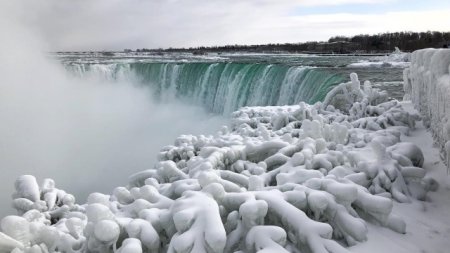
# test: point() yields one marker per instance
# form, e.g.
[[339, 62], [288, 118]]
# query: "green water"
[[221, 83], [222, 87]]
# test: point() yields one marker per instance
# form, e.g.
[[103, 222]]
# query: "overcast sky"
[[119, 24]]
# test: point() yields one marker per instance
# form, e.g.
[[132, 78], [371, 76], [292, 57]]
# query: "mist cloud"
[[87, 135]]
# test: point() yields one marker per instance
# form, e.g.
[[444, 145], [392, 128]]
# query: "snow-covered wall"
[[427, 84]]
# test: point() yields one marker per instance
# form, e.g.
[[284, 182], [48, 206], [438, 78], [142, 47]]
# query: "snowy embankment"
[[427, 84], [302, 178]]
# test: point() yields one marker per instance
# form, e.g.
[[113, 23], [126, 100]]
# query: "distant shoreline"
[[358, 45], [153, 52]]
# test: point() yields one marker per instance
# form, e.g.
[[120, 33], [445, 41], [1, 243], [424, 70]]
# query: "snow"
[[356, 173], [428, 222]]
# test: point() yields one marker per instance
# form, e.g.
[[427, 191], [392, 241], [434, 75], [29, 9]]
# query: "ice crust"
[[301, 178], [427, 85]]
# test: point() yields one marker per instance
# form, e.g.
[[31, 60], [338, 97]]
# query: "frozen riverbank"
[[314, 178]]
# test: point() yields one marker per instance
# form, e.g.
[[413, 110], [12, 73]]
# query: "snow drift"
[[301, 178], [427, 84]]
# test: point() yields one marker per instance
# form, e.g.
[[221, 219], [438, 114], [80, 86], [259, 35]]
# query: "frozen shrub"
[[283, 179]]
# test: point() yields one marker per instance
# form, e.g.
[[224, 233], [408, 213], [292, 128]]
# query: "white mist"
[[88, 136]]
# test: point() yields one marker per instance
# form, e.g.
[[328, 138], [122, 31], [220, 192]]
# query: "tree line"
[[363, 43]]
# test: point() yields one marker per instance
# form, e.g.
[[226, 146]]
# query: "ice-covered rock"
[[300, 178]]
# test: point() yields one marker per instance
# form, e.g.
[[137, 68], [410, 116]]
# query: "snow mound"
[[427, 84], [301, 178]]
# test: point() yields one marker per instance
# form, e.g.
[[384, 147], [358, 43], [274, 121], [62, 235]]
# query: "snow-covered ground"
[[427, 84], [344, 175], [428, 222]]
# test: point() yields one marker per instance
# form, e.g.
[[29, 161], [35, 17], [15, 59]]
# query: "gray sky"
[[118, 24]]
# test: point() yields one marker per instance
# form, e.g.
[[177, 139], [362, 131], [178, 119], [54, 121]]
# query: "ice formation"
[[427, 84], [398, 56], [396, 59], [301, 178]]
